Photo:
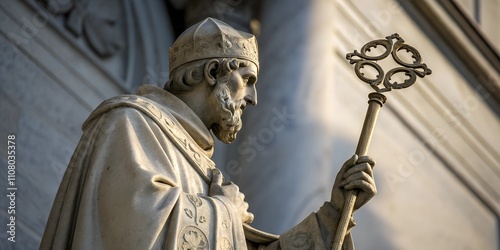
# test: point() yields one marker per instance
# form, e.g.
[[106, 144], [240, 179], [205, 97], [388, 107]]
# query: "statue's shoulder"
[[147, 106], [166, 121]]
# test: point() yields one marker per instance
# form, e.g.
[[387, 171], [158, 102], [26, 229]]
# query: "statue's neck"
[[200, 103]]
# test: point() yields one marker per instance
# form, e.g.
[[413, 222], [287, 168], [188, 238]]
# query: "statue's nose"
[[251, 97]]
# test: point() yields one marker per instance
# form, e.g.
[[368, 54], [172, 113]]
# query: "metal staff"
[[376, 100]]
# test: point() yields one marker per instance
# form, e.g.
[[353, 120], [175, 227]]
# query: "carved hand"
[[232, 192], [356, 173]]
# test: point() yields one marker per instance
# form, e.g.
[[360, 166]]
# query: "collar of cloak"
[[155, 96], [184, 115]]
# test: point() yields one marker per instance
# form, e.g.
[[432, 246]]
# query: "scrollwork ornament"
[[393, 45], [412, 78], [363, 54], [374, 82]]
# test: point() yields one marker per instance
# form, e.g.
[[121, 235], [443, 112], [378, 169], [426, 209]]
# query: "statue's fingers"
[[349, 163], [367, 159], [368, 192], [363, 167], [354, 177], [367, 187], [217, 177], [248, 217], [352, 160], [232, 186]]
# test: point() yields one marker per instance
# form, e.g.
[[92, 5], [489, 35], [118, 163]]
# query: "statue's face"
[[233, 93]]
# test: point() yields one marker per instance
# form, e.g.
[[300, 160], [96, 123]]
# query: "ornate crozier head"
[[208, 53]]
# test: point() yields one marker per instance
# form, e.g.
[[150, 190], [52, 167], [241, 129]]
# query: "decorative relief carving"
[[188, 212], [97, 21], [192, 238], [196, 201], [202, 219], [302, 241], [224, 244]]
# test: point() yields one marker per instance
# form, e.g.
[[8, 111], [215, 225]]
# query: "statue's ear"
[[210, 71]]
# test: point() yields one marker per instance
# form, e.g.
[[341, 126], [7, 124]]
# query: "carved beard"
[[229, 112]]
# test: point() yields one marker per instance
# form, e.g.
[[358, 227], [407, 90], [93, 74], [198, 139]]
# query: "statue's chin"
[[229, 117], [225, 136]]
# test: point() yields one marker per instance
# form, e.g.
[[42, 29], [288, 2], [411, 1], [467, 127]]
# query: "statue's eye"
[[249, 79]]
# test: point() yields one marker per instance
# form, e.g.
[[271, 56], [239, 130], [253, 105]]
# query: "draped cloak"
[[140, 177]]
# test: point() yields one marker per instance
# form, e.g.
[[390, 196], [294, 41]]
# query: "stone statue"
[[142, 178]]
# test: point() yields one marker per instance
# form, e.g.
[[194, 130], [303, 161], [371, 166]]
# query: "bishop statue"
[[142, 176]]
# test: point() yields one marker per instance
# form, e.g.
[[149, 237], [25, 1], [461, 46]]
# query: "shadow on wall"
[[372, 232]]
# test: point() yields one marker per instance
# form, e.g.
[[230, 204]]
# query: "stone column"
[[283, 157]]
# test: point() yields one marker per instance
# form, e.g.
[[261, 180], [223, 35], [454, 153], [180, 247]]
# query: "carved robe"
[[140, 178]]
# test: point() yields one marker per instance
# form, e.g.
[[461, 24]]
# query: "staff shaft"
[[374, 104]]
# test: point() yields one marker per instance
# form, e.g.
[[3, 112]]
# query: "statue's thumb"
[[349, 163], [217, 177], [353, 160]]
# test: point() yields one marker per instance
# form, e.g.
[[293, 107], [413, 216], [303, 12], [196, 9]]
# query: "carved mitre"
[[212, 38]]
